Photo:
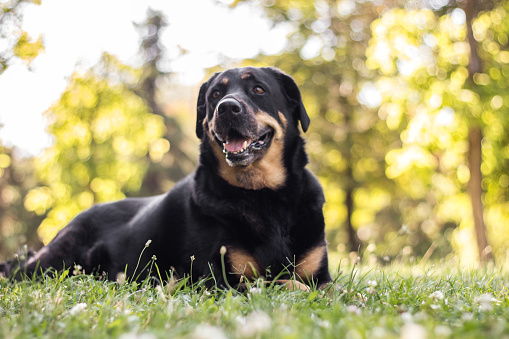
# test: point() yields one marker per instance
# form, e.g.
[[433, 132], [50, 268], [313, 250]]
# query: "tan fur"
[[224, 81], [267, 172], [246, 75], [243, 264], [294, 285], [310, 262]]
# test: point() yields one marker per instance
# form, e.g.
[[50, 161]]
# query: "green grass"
[[368, 302]]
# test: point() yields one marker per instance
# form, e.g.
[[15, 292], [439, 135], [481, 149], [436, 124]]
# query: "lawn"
[[393, 301]]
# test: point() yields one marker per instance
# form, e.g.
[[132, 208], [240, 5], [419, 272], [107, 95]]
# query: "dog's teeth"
[[245, 145]]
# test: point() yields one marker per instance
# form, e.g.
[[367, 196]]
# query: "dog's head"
[[245, 113]]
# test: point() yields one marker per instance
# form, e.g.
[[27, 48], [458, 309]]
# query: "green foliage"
[[26, 49], [17, 225], [422, 60], [13, 40], [103, 133], [366, 302]]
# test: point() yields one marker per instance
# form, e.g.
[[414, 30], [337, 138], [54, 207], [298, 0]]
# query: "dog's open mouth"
[[240, 149]]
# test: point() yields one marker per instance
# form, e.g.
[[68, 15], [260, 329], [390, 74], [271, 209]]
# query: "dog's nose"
[[229, 105]]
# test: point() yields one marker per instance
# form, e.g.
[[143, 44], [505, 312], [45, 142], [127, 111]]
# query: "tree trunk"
[[475, 190], [475, 142], [354, 242]]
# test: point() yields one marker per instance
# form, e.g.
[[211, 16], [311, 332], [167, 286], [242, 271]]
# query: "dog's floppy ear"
[[293, 94], [201, 106]]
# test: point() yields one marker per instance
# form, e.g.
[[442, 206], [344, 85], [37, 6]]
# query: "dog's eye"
[[216, 94], [258, 90]]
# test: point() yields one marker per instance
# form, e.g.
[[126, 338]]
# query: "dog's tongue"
[[236, 145]]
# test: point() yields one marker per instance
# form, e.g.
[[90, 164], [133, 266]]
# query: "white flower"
[[407, 317], [485, 302], [353, 309], [207, 332], [78, 308], [120, 278], [254, 324], [413, 331], [437, 295], [134, 335], [147, 244], [372, 283], [443, 331], [467, 316]]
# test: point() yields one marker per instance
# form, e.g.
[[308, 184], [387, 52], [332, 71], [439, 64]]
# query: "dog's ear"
[[201, 106], [293, 94]]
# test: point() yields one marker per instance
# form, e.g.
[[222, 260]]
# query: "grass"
[[368, 302]]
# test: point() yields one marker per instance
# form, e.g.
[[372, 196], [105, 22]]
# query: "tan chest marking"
[[310, 262], [242, 263]]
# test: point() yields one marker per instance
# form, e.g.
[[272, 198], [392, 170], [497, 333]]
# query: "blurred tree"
[[165, 168], [439, 71], [103, 132], [14, 42], [17, 225]]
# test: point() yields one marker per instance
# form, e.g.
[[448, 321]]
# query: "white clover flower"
[[407, 317], [467, 316], [437, 295], [372, 283], [135, 335], [120, 278], [78, 308], [254, 324], [413, 331], [485, 302], [255, 290], [443, 331], [353, 309], [208, 332]]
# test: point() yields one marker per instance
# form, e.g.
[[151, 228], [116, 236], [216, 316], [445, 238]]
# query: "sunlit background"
[[408, 101]]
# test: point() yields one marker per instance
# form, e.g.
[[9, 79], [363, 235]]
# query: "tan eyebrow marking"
[[246, 75], [224, 81]]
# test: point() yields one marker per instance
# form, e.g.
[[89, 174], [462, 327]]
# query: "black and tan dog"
[[250, 194]]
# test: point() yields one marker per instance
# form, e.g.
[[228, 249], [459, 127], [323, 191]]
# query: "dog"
[[251, 209]]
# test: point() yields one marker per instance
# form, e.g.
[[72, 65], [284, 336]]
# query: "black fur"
[[188, 225]]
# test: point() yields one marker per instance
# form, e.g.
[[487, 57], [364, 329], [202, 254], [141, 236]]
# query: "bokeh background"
[[409, 103]]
